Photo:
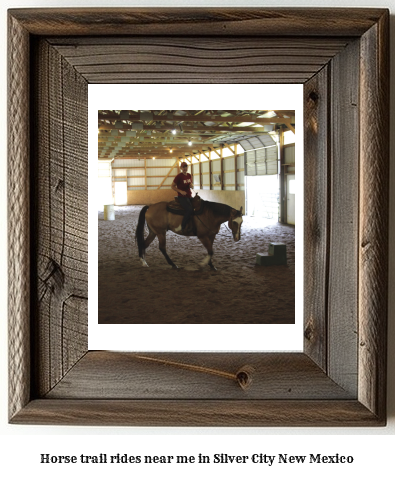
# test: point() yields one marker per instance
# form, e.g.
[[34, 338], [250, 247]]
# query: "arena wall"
[[234, 199], [150, 197]]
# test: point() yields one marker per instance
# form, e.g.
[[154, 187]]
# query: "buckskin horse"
[[205, 223]]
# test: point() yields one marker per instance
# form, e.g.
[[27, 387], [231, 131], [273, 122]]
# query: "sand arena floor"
[[238, 292]]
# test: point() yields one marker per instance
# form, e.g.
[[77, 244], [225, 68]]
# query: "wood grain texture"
[[62, 367], [343, 227], [196, 375], [373, 235], [197, 60], [18, 213], [61, 228], [202, 413], [316, 214], [198, 21]]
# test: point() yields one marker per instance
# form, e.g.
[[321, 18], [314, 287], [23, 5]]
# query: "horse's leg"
[[212, 237], [207, 242], [162, 248], [151, 236]]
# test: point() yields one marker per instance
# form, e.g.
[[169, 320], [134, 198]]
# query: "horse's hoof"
[[213, 268], [143, 263], [205, 261], [174, 266]]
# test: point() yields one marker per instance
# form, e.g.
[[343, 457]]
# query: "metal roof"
[[137, 134]]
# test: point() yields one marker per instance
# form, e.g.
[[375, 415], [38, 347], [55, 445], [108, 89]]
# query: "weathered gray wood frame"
[[340, 378]]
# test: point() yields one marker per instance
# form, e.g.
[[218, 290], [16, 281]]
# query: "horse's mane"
[[218, 208]]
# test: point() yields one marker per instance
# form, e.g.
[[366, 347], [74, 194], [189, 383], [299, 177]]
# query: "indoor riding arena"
[[251, 170]]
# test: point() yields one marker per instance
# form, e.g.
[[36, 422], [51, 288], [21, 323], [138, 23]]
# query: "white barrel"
[[109, 214]]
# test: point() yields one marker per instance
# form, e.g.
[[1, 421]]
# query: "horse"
[[204, 224]]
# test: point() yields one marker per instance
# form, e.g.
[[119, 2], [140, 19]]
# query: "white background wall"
[[22, 446]]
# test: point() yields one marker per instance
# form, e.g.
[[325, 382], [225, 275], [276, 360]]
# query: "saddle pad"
[[175, 208], [175, 205], [177, 211]]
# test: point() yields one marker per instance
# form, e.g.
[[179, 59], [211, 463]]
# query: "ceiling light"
[[269, 114], [189, 143], [174, 131]]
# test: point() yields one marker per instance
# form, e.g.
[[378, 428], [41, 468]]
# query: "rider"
[[182, 185]]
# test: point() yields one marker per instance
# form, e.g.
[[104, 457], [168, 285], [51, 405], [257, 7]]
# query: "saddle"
[[176, 208]]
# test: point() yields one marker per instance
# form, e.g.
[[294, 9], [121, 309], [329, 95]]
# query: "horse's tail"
[[140, 231]]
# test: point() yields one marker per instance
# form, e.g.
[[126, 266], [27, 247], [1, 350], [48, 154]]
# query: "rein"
[[216, 233], [212, 232]]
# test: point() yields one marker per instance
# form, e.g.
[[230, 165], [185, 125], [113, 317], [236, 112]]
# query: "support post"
[[283, 181]]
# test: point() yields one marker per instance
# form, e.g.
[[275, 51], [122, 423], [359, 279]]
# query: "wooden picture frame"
[[342, 58]]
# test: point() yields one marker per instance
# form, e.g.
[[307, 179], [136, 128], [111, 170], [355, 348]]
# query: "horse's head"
[[235, 221]]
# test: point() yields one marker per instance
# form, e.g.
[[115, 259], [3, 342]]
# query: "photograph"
[[196, 216]]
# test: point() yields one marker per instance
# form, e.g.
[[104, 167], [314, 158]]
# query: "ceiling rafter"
[[137, 134]]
